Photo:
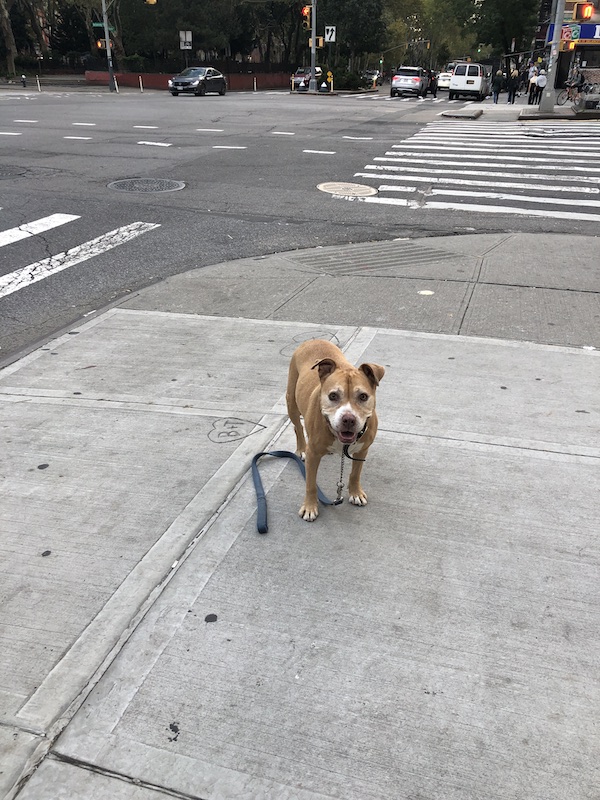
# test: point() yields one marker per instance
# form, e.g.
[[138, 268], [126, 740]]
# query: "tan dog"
[[337, 402]]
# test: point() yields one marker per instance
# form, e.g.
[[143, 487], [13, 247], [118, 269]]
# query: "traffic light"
[[150, 2], [306, 21], [583, 11]]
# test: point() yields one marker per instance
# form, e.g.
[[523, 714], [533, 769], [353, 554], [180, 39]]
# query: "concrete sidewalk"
[[440, 643]]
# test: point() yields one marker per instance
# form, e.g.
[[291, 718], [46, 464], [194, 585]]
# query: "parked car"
[[198, 81], [444, 80], [303, 74], [409, 80], [470, 80], [373, 76]]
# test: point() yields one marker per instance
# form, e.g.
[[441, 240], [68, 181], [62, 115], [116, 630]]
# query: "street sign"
[[330, 33], [101, 25], [185, 40]]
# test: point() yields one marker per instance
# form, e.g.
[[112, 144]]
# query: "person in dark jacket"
[[432, 82], [512, 84], [497, 85]]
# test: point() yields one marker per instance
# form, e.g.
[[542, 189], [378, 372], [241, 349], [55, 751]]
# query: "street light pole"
[[549, 95], [111, 74], [312, 84]]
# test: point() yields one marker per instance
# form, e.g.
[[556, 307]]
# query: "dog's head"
[[347, 396]]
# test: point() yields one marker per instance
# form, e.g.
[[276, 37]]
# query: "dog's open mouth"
[[347, 437]]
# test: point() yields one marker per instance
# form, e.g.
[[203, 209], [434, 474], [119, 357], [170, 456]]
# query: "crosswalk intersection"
[[549, 169], [15, 279]]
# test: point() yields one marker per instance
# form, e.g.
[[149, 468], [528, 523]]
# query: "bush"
[[350, 80], [134, 63]]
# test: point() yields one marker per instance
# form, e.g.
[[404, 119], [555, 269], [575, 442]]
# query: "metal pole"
[[312, 84], [111, 74], [549, 94]]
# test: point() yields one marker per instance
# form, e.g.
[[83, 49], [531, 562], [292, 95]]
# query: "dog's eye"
[[363, 397], [333, 396]]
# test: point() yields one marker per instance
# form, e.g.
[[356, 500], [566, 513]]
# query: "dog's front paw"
[[358, 499], [309, 513]]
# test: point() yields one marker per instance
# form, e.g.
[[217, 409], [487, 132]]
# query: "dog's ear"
[[325, 366], [373, 372]]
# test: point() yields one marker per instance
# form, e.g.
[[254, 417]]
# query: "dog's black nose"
[[348, 421]]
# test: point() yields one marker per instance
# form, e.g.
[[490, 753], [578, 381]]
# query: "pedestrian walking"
[[512, 84], [433, 83], [541, 82], [497, 85], [532, 90]]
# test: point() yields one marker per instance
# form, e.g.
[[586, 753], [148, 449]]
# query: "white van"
[[470, 80]]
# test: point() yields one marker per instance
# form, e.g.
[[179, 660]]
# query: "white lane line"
[[282, 133], [24, 120], [499, 196], [321, 152], [482, 149], [489, 142], [472, 207], [79, 138], [35, 227], [9, 133], [157, 144], [147, 127], [360, 138], [42, 269], [209, 130], [521, 159], [464, 182], [426, 161], [228, 147], [481, 174], [85, 124]]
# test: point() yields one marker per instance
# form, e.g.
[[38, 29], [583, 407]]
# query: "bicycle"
[[573, 93]]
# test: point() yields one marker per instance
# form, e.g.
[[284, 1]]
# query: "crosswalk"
[[549, 169], [22, 277]]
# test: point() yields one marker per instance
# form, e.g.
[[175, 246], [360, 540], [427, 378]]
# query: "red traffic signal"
[[583, 11], [306, 22]]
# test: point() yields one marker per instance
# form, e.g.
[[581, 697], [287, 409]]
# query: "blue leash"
[[261, 500]]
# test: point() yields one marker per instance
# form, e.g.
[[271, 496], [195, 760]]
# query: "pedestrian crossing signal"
[[306, 21], [583, 11]]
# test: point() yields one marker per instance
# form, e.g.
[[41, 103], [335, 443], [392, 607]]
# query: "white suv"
[[409, 80]]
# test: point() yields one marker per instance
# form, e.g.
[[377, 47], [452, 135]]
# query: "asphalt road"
[[251, 165]]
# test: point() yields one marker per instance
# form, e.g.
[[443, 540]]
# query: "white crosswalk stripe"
[[32, 273], [550, 169]]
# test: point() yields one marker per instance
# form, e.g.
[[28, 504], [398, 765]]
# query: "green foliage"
[[270, 30]]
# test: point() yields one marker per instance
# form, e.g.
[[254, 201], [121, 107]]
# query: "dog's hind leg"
[[293, 410]]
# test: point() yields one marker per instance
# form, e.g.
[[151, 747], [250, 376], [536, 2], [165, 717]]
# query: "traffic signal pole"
[[549, 93], [111, 74], [312, 84]]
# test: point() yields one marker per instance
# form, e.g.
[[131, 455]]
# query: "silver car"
[[409, 80]]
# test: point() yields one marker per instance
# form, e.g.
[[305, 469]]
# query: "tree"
[[501, 21]]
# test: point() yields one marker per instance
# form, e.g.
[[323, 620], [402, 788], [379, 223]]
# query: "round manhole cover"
[[146, 185], [348, 189]]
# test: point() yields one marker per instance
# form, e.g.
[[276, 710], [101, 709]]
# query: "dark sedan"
[[198, 81]]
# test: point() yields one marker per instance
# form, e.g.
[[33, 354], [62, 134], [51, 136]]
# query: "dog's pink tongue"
[[346, 437]]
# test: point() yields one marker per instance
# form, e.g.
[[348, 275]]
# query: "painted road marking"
[[147, 127], [24, 120], [79, 138], [282, 133], [359, 138], [157, 144], [321, 152], [546, 170], [33, 273], [35, 227], [8, 133], [85, 124], [465, 182], [209, 130], [228, 147]]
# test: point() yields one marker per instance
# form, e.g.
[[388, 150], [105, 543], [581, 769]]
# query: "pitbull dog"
[[337, 402]]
